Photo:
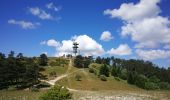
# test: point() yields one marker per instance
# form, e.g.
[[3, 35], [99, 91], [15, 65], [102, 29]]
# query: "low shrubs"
[[103, 78], [56, 93], [117, 78], [78, 77], [151, 86]]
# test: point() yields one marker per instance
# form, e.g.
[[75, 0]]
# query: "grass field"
[[89, 88], [89, 81], [19, 95]]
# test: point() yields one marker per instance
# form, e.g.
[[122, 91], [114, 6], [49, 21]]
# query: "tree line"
[[20, 71], [143, 74]]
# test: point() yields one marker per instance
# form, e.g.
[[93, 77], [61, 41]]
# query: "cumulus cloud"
[[24, 24], [51, 43], [153, 54], [53, 7], [143, 23], [132, 12], [106, 36], [87, 46], [40, 13], [122, 50]]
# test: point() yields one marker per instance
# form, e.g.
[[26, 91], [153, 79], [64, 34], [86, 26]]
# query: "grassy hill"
[[89, 86]]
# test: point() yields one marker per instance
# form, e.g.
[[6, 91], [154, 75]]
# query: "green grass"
[[20, 95], [89, 81], [58, 69]]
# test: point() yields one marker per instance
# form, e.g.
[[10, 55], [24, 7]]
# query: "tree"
[[131, 77], [78, 61], [43, 60], [57, 93], [104, 70], [140, 81], [98, 60]]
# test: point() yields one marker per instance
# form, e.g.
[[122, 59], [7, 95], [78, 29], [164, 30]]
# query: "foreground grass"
[[20, 95], [121, 95]]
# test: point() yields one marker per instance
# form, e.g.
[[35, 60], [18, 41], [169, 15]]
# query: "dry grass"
[[20, 95], [91, 82]]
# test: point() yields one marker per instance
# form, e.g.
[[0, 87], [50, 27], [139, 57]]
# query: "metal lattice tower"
[[75, 47]]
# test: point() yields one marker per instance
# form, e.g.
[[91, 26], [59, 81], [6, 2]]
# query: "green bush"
[[164, 85], [34, 89], [140, 81], [56, 93], [78, 77], [151, 86], [54, 63], [104, 70], [53, 73], [91, 70], [123, 74], [131, 77], [103, 78], [43, 85], [117, 78], [154, 79]]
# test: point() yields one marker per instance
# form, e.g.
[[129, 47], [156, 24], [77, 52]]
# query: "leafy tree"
[[104, 70], [98, 60], [131, 77], [57, 93], [43, 60], [151, 86], [140, 81], [78, 61]]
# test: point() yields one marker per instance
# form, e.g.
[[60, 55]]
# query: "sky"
[[128, 29]]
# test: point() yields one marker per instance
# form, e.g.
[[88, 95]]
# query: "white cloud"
[[150, 32], [106, 36], [132, 12], [122, 50], [53, 7], [24, 24], [153, 54], [40, 13], [87, 46], [143, 23], [51, 43]]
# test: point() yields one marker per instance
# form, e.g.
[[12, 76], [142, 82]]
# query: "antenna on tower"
[[75, 47]]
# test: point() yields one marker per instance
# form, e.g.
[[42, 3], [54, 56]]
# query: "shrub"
[[53, 73], [131, 77], [43, 85], [78, 77], [123, 74], [34, 89], [104, 70], [56, 93], [103, 78], [140, 81], [91, 70], [54, 63], [164, 85], [151, 86], [117, 78], [154, 79]]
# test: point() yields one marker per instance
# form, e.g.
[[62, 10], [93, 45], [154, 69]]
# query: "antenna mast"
[[75, 47]]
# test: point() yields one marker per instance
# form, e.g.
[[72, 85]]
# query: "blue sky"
[[121, 28]]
